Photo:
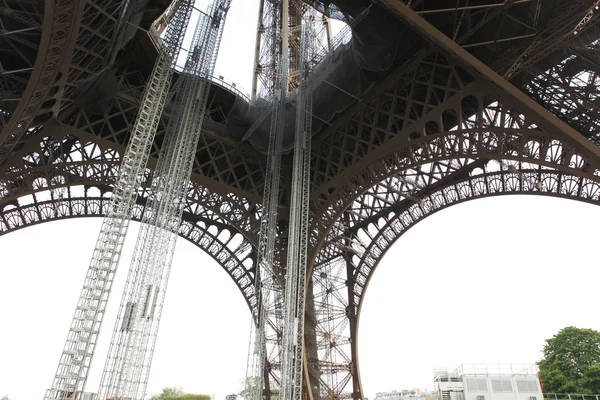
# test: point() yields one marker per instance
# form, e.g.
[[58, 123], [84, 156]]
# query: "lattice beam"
[[58, 36], [62, 156], [231, 250], [420, 123]]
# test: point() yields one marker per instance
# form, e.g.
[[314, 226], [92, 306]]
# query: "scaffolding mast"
[[280, 313], [268, 44], [267, 51], [128, 364], [76, 358], [295, 279], [268, 279]]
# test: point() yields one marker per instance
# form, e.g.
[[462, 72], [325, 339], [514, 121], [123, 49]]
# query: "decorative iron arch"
[[366, 244], [476, 121], [402, 150], [368, 249], [230, 250], [67, 177], [62, 158]]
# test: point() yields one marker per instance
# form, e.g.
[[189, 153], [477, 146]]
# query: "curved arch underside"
[[341, 278], [51, 163], [457, 117], [374, 237], [435, 136], [231, 250]]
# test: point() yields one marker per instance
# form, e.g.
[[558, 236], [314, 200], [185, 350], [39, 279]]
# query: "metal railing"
[[232, 87], [570, 396], [496, 369]]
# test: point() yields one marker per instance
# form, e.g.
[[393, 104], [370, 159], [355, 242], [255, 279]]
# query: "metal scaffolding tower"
[[266, 56], [72, 372], [277, 316], [295, 279], [268, 41], [132, 346], [268, 278]]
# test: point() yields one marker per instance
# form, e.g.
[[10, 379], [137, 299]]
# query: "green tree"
[[167, 392], [189, 396], [249, 385], [173, 393], [571, 362]]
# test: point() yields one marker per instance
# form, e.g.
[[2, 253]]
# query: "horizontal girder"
[[369, 243], [432, 115], [52, 160]]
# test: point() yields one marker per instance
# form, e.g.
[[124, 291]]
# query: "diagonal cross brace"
[[428, 31]]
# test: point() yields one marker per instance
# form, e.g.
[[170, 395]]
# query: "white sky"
[[484, 281]]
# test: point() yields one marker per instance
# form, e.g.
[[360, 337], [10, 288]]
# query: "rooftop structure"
[[488, 382]]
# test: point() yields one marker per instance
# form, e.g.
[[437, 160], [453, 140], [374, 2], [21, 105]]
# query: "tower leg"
[[310, 344]]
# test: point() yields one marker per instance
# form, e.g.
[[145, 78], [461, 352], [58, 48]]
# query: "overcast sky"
[[484, 281]]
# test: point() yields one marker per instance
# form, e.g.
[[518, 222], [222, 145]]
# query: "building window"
[[527, 386], [501, 385], [477, 385]]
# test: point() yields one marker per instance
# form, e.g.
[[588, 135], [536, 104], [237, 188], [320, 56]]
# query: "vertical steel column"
[[257, 58], [351, 315], [296, 14], [295, 282], [269, 46], [268, 54], [268, 282]]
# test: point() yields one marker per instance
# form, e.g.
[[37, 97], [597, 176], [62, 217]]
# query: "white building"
[[488, 382]]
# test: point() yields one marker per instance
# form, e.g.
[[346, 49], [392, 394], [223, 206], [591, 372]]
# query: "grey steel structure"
[[430, 104]]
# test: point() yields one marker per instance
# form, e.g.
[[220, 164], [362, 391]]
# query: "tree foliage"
[[173, 393], [189, 396], [167, 392], [249, 386], [571, 362]]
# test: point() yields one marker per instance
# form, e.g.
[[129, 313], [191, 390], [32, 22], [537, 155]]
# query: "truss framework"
[[297, 246], [434, 166], [269, 44], [55, 43], [76, 358], [131, 351]]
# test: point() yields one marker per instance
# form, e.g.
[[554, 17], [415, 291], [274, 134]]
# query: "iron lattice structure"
[[484, 98]]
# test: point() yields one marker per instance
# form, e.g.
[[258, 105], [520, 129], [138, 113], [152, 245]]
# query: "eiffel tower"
[[431, 103]]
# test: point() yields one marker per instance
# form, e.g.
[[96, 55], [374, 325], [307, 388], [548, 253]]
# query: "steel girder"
[[427, 134], [69, 177], [399, 129], [20, 34], [77, 40], [60, 156], [393, 158], [569, 89], [59, 33]]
